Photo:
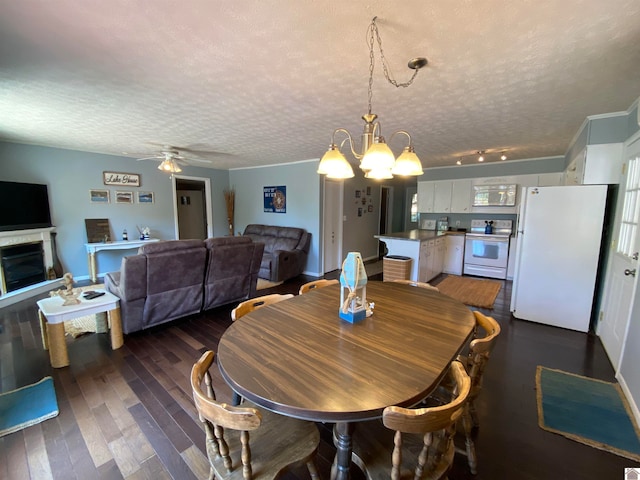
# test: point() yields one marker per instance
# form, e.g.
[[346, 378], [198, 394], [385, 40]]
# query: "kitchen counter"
[[416, 235], [411, 242]]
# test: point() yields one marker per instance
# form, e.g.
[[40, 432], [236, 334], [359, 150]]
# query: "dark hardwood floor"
[[129, 414]]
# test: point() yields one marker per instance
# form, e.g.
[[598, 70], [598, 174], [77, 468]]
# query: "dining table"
[[298, 358]]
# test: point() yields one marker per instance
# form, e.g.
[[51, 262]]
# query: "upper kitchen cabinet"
[[445, 196], [426, 193], [461, 196], [595, 164], [442, 197]]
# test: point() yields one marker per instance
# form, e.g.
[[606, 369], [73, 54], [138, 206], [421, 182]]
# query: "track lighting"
[[503, 156], [480, 155]]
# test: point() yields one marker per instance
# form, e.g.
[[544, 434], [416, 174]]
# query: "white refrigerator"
[[557, 255]]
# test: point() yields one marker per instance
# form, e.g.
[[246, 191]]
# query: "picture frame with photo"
[[99, 196], [146, 197], [124, 197]]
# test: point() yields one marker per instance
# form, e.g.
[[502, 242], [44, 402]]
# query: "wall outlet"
[[457, 223]]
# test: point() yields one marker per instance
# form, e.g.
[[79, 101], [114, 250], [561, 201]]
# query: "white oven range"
[[487, 254]]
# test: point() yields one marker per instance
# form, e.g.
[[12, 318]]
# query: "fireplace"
[[22, 265], [29, 255]]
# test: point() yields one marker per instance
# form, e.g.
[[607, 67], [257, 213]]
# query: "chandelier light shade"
[[407, 164], [334, 164], [376, 158]]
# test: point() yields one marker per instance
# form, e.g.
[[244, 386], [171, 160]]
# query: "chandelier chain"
[[389, 77]]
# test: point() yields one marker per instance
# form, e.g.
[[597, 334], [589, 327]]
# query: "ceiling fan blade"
[[199, 160], [155, 157]]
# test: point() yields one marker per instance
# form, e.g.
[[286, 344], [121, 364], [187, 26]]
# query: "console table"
[[93, 248]]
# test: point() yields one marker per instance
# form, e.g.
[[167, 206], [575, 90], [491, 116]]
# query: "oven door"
[[486, 251]]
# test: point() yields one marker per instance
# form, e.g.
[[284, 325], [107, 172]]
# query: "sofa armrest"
[[287, 264], [130, 283]]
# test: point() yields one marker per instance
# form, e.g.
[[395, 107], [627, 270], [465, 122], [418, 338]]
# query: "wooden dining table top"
[[299, 358]]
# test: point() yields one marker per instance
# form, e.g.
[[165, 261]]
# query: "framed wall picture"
[[124, 197], [119, 178], [99, 196], [97, 230], [275, 199], [145, 197]]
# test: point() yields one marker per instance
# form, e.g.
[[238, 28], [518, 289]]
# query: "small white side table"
[[53, 315]]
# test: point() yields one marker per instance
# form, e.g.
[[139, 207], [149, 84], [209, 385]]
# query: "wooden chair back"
[[275, 442], [304, 288], [252, 304], [394, 453], [487, 330], [480, 349], [414, 283]]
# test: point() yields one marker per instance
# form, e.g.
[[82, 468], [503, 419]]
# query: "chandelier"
[[376, 158]]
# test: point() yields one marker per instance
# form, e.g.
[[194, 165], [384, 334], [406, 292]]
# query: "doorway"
[[192, 207], [622, 278], [332, 207], [386, 217]]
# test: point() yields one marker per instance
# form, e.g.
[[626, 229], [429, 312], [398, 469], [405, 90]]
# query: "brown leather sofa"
[[175, 278], [285, 250]]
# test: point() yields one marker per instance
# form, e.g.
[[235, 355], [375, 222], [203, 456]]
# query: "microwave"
[[503, 195]]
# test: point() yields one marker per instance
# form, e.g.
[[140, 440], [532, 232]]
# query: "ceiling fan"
[[172, 157]]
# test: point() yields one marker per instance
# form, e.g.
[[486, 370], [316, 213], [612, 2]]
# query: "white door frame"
[[388, 208], [332, 217], [618, 290], [207, 194]]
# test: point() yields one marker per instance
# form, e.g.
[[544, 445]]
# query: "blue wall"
[[303, 201], [70, 174]]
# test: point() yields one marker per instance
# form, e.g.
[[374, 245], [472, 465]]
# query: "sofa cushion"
[[232, 270], [274, 237]]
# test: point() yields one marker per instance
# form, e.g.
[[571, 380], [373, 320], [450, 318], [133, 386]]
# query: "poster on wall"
[[275, 199]]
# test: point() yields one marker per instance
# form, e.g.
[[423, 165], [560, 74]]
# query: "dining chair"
[[247, 443], [412, 442], [306, 287], [475, 362], [414, 283], [252, 304]]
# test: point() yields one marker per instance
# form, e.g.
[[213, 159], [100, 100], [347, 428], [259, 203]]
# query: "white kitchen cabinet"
[[550, 179], [461, 196], [425, 262], [442, 197], [438, 264], [595, 164], [454, 254], [432, 255], [426, 194]]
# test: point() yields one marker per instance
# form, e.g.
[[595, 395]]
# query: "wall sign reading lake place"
[[119, 178]]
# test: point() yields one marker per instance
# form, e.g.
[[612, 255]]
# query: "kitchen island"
[[431, 252]]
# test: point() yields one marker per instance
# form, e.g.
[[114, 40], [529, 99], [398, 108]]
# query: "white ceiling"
[[267, 82]]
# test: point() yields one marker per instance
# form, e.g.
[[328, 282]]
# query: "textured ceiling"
[[267, 82]]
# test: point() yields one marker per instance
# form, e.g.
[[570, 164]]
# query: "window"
[[630, 210], [414, 208]]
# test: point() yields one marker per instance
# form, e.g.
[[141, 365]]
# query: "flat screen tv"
[[23, 206]]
